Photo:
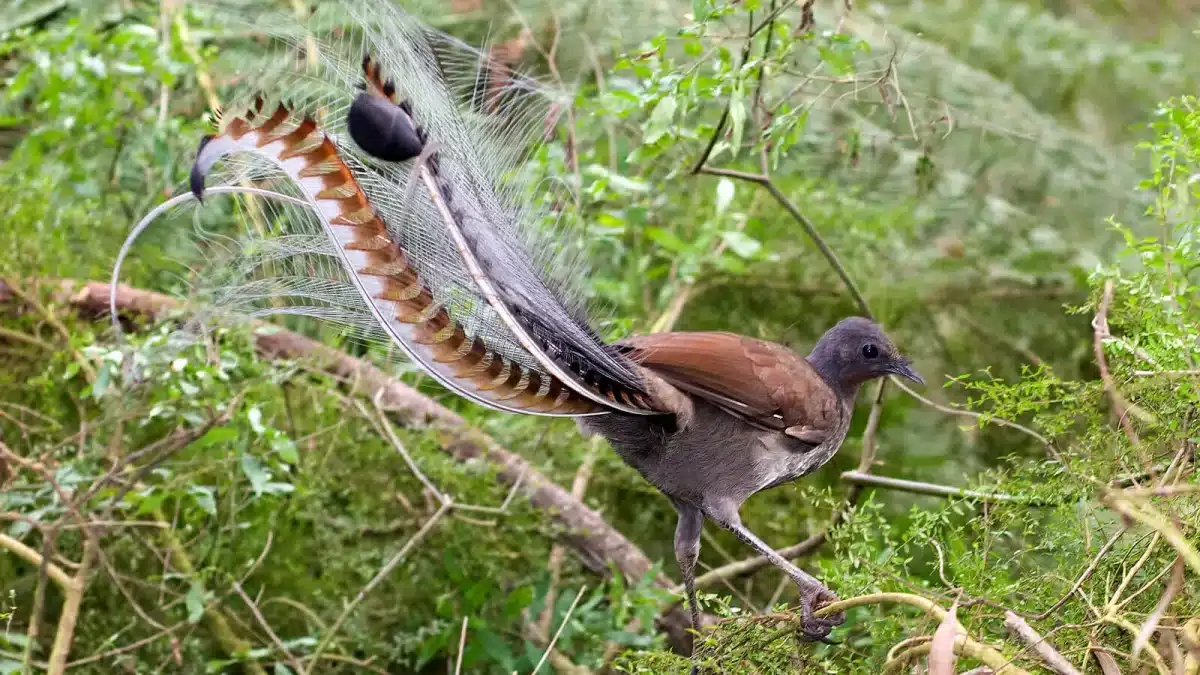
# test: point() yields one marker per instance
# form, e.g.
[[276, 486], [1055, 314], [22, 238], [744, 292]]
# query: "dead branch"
[[1025, 633], [64, 635]]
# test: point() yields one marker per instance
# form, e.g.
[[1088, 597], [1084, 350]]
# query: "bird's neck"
[[830, 370]]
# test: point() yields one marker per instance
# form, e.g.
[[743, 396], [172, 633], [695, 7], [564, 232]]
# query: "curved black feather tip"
[[383, 129], [196, 179]]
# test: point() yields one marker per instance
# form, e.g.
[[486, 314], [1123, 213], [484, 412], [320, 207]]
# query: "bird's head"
[[857, 350]]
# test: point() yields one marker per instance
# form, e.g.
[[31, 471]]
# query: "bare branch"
[[32, 557], [558, 633], [921, 488], [1025, 633], [262, 621]]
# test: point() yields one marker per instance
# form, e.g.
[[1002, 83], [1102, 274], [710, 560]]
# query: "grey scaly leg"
[[812, 591], [687, 551]]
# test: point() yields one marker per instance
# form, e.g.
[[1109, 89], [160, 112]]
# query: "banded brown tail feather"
[[403, 301], [393, 180]]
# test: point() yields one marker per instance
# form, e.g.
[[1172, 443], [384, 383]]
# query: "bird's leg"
[[813, 593], [687, 551]]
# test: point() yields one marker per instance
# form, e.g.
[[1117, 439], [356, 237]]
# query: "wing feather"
[[761, 382]]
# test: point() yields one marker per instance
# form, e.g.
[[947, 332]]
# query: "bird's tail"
[[378, 181]]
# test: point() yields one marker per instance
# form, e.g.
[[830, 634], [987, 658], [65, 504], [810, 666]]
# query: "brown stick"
[[578, 488], [54, 572], [64, 635], [1100, 333], [591, 538], [1025, 633]]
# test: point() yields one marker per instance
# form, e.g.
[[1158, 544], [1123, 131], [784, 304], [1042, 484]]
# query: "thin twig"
[[999, 421], [124, 649], [1100, 333], [262, 621], [921, 488], [558, 633], [383, 573], [1161, 526], [1087, 574], [554, 564], [462, 644], [1174, 585]]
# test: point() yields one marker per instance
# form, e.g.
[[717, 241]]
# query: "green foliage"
[[972, 181]]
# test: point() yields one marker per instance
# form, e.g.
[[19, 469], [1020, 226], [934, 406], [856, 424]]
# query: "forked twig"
[[262, 621]]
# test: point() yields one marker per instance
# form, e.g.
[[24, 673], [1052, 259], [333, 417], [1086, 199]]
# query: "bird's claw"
[[817, 628]]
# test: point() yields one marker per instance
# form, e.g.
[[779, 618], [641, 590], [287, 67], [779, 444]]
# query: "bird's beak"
[[904, 369]]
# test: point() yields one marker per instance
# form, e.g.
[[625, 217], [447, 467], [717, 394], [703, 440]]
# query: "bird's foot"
[[817, 628]]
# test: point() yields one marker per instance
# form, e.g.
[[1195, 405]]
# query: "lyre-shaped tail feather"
[[380, 271], [431, 244]]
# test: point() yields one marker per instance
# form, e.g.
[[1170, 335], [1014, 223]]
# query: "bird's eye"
[[870, 351]]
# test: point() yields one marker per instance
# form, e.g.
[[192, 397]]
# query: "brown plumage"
[[761, 382], [750, 415]]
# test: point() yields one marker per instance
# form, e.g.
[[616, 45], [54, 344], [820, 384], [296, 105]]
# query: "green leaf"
[[205, 498], [737, 117], [660, 120], [256, 473], [666, 239], [725, 192], [194, 601], [286, 449], [103, 378], [494, 646], [9, 667], [217, 435], [517, 600], [277, 488], [255, 416], [741, 243]]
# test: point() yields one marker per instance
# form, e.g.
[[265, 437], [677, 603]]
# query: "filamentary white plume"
[[397, 205]]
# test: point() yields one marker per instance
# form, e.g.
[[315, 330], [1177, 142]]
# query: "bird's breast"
[[785, 458]]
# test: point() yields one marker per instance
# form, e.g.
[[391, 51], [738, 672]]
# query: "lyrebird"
[[402, 212]]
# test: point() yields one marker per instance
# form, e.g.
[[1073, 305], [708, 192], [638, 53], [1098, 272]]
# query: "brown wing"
[[764, 383]]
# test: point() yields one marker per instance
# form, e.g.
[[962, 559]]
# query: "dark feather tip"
[[196, 179], [382, 129]]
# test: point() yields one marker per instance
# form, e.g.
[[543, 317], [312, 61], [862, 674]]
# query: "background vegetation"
[[1007, 185]]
